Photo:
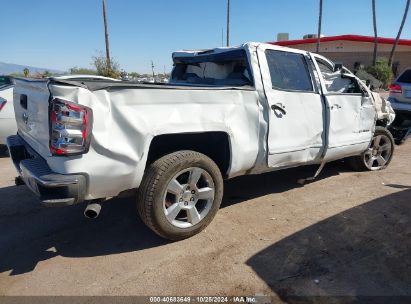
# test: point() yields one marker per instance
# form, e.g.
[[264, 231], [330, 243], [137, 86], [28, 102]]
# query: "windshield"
[[223, 69], [405, 77]]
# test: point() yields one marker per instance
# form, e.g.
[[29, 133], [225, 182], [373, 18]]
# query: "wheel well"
[[215, 145], [381, 123]]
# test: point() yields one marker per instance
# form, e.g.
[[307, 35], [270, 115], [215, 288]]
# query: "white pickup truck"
[[226, 112]]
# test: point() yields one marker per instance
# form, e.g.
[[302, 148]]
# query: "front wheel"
[[378, 155], [180, 194]]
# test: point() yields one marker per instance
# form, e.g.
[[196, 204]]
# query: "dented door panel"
[[295, 118], [344, 119]]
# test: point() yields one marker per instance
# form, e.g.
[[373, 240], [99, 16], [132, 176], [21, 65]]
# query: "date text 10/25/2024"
[[210, 299]]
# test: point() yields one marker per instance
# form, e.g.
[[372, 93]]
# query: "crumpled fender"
[[384, 108]]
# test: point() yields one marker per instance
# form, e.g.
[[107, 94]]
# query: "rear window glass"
[[288, 71], [222, 69], [405, 77]]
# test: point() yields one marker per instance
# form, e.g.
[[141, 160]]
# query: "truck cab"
[[316, 110]]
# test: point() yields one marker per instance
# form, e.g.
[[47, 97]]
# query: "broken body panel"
[[268, 127]]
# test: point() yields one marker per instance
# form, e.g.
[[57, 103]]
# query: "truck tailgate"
[[31, 106]]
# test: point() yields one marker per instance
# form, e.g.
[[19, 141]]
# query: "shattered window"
[[324, 68], [228, 68], [335, 82], [288, 71]]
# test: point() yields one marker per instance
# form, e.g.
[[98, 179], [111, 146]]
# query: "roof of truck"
[[189, 53], [218, 50]]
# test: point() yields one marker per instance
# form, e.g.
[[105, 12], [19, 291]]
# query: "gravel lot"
[[347, 233]]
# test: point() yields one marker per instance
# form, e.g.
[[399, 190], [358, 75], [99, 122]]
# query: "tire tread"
[[149, 186]]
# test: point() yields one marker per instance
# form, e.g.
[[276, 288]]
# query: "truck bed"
[[126, 118]]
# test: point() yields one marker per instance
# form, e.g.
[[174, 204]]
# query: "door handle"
[[335, 106], [279, 107]]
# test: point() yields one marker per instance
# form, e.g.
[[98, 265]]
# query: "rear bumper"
[[53, 189], [399, 106]]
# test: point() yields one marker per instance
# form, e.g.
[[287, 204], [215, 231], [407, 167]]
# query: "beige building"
[[355, 50]]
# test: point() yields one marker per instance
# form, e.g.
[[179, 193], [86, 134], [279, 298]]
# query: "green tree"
[[46, 74], [382, 71], [134, 74], [26, 72], [104, 68], [82, 71]]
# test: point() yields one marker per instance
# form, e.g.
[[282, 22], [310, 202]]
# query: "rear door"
[[295, 133], [350, 111]]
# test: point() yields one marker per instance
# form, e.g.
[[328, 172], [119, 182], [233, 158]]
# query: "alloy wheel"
[[189, 197], [378, 153]]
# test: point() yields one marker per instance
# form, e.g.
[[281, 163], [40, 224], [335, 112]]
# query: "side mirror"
[[338, 67]]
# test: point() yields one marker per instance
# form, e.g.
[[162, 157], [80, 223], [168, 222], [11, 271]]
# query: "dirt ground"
[[347, 233]]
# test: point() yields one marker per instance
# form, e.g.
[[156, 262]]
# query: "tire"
[[180, 194], [378, 155]]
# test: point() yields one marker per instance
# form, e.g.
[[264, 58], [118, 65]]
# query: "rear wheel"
[[378, 155], [180, 194]]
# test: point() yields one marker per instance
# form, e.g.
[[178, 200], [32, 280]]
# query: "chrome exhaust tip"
[[92, 211]]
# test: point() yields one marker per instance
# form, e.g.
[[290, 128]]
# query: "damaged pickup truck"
[[226, 112]]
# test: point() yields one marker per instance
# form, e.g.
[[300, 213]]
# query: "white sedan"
[[7, 120]]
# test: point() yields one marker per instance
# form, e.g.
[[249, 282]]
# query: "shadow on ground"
[[31, 233], [3, 151], [364, 251], [248, 187]]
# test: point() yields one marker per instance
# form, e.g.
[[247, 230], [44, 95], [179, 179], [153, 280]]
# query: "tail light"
[[395, 88], [2, 103], [70, 128]]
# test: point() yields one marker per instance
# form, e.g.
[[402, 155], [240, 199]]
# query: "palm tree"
[[320, 16], [374, 21], [26, 72], [404, 17]]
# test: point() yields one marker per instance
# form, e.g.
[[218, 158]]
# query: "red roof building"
[[354, 50]]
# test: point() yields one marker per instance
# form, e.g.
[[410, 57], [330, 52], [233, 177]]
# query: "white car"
[[226, 112], [8, 124]]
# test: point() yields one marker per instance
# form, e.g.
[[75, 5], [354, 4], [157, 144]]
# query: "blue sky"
[[61, 34]]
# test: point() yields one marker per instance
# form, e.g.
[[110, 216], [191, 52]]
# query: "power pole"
[[106, 35], [320, 16], [228, 22], [152, 68]]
